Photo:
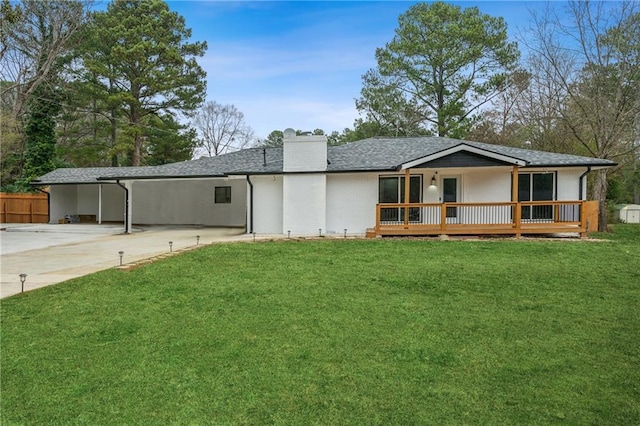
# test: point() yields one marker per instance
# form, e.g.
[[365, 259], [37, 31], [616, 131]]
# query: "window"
[[223, 194], [536, 187], [391, 190]]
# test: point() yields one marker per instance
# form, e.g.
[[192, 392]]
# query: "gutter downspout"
[[250, 204], [48, 202], [126, 206], [580, 182]]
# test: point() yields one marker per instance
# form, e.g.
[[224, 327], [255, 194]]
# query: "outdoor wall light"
[[23, 278], [433, 181], [170, 246], [120, 253]]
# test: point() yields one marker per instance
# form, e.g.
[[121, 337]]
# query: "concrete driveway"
[[50, 254]]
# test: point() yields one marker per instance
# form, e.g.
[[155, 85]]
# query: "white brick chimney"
[[304, 153], [304, 184]]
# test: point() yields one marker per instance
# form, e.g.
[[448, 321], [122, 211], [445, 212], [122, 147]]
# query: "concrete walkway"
[[50, 254]]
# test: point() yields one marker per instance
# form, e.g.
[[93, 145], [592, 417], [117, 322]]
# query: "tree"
[[167, 141], [500, 122], [335, 139], [40, 134], [222, 129], [11, 150], [9, 16], [274, 139], [35, 36], [388, 108], [591, 58], [90, 127], [625, 40], [143, 64], [442, 65]]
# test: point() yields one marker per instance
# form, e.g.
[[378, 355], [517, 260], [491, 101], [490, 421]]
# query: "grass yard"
[[336, 332]]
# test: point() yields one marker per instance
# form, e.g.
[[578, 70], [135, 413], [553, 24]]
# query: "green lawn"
[[336, 332]]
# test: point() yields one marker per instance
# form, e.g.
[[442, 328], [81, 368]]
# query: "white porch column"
[[129, 206], [100, 204]]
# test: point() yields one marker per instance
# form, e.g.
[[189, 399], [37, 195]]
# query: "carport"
[[146, 196], [215, 201]]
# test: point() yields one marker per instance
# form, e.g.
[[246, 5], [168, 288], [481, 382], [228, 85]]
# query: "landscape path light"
[[120, 253], [197, 239], [170, 246], [23, 278]]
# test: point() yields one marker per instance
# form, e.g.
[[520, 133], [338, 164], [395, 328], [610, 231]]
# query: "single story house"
[[378, 186]]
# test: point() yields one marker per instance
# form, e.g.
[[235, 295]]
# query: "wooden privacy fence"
[[23, 208]]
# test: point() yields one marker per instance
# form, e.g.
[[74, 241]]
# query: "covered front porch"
[[513, 201]]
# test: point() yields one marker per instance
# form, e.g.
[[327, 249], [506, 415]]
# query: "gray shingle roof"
[[374, 154], [79, 175], [390, 153]]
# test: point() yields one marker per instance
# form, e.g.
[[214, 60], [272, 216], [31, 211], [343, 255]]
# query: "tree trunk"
[[137, 149], [114, 136], [636, 181], [600, 194]]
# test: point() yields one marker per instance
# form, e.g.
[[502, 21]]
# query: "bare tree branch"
[[222, 129]]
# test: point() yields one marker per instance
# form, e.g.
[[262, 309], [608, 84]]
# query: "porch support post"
[[514, 199], [407, 187], [514, 185], [129, 185], [583, 219], [99, 204]]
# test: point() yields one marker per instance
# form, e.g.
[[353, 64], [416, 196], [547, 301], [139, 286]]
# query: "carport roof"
[[373, 154]]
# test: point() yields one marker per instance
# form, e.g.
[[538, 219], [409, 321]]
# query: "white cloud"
[[278, 87], [265, 114]]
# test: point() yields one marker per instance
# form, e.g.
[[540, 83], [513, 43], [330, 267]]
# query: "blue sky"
[[299, 64]]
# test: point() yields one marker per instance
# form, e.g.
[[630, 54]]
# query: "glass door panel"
[[450, 195], [542, 190], [415, 196], [389, 194]]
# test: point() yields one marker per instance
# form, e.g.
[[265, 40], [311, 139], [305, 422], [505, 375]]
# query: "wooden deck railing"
[[535, 217]]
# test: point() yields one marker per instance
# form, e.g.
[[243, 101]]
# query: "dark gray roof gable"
[[373, 154]]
